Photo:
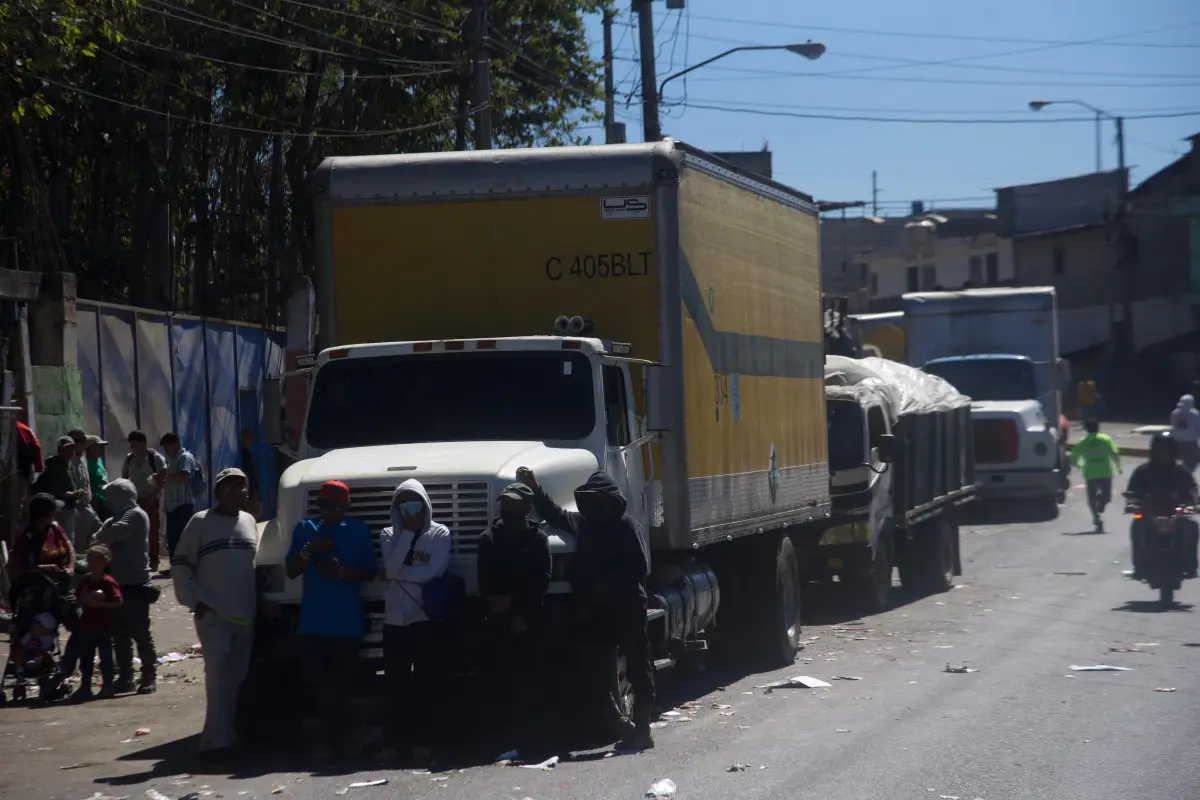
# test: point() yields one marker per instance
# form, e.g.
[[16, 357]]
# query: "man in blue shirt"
[[335, 554]]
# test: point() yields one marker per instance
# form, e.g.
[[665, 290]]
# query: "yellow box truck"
[[642, 309]]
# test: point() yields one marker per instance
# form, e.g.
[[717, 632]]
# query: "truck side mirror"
[[887, 447], [272, 411], [659, 416]]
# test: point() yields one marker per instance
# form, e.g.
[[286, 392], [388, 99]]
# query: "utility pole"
[[874, 193], [482, 85], [609, 90], [651, 130], [1124, 267]]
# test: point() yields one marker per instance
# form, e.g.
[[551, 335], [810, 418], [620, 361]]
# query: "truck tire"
[[779, 607], [929, 560], [872, 590]]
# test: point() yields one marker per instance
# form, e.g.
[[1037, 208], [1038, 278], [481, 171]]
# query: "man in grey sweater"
[[213, 571], [127, 534]]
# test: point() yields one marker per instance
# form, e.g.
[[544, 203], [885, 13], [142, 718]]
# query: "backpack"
[[197, 482]]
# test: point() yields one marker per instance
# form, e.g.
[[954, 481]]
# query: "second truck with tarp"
[[900, 467]]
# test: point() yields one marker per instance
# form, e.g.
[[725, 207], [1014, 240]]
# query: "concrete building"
[[875, 260]]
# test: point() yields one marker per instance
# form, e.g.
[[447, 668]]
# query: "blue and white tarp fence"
[[157, 372]]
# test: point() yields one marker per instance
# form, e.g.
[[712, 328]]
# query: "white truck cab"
[[460, 416]]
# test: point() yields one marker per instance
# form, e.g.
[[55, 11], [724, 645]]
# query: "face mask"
[[594, 506], [410, 508], [512, 519]]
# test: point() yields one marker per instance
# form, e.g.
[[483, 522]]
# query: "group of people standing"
[[103, 598], [334, 555]]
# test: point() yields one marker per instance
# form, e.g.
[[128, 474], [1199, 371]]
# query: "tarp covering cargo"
[[929, 417]]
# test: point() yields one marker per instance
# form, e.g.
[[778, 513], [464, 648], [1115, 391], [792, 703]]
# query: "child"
[[1098, 454], [99, 596], [37, 644]]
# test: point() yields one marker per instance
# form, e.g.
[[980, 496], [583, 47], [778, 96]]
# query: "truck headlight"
[[272, 579]]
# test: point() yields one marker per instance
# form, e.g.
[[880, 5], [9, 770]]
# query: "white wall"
[[1154, 321], [951, 259]]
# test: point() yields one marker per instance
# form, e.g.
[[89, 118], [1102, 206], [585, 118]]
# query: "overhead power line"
[[963, 38], [1030, 120], [329, 134], [1022, 111]]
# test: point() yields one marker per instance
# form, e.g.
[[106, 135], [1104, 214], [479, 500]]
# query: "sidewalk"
[[1133, 438]]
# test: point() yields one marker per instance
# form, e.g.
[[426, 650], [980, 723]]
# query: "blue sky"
[[1001, 56]]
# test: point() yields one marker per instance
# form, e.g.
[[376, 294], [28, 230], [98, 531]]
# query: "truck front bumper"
[[1016, 484]]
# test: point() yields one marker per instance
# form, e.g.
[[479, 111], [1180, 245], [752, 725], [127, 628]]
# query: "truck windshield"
[[847, 447], [453, 397], [988, 378]]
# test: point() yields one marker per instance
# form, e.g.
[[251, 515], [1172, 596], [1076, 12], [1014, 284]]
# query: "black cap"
[[518, 491], [64, 441], [77, 433]]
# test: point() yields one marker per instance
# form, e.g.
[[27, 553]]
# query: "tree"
[[168, 145]]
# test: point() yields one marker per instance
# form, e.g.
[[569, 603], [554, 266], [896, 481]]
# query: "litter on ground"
[[963, 670], [799, 682], [661, 790], [845, 678], [1165, 689], [1100, 668], [547, 765]]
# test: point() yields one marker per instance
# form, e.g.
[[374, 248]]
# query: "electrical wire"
[[248, 33], [257, 131], [442, 29], [1022, 111], [958, 37], [279, 70], [1031, 120]]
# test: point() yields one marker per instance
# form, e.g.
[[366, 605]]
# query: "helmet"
[[1162, 443]]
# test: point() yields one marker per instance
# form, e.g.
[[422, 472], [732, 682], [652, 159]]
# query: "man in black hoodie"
[[514, 573], [612, 562]]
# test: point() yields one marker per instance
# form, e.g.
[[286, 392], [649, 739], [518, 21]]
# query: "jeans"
[[132, 627], [1099, 493], [150, 506], [330, 664], [412, 655], [92, 644], [622, 624], [177, 520]]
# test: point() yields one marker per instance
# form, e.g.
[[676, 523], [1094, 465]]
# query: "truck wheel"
[[779, 623], [872, 590]]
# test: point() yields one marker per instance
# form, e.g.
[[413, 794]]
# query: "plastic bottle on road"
[[663, 790]]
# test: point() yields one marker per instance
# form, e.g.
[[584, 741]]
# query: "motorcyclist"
[[1158, 487]]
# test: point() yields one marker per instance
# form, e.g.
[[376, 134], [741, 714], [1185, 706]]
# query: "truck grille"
[[996, 441], [463, 507]]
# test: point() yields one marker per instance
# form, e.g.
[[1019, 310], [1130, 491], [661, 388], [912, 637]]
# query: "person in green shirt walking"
[[1098, 454]]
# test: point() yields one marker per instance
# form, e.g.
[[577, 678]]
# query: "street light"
[[809, 50], [1038, 105]]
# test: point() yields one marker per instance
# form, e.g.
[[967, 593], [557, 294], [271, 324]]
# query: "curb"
[[1135, 452]]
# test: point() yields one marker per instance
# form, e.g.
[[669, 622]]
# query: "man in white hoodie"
[[415, 550]]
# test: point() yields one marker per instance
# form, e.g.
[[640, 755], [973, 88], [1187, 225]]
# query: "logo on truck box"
[[625, 207]]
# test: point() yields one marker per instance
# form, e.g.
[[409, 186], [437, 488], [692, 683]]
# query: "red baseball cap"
[[334, 493]]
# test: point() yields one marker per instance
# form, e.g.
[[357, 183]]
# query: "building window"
[[976, 276], [993, 269], [874, 283], [914, 279], [1060, 261], [928, 277]]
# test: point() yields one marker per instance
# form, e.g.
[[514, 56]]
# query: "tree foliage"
[[163, 149]]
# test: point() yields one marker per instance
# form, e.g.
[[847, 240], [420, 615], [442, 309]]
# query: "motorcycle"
[[1163, 554]]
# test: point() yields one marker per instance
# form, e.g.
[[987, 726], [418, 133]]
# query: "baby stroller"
[[36, 600]]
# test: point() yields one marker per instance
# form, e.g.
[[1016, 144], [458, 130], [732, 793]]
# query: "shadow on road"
[[834, 604], [1152, 607], [997, 513]]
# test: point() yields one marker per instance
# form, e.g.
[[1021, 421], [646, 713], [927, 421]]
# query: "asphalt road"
[[1036, 598]]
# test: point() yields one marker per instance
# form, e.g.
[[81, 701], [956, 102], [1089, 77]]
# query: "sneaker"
[[147, 687], [82, 695], [123, 686], [641, 740], [19, 693], [107, 692]]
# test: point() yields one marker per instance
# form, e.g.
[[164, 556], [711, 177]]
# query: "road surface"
[[1035, 599]]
